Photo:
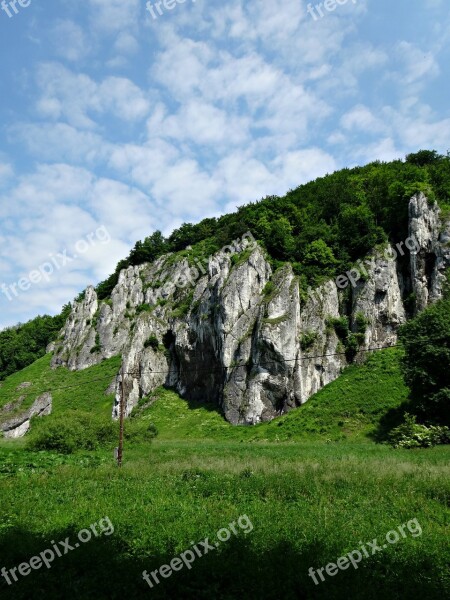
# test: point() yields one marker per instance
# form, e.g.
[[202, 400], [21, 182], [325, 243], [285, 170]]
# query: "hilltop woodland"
[[321, 228]]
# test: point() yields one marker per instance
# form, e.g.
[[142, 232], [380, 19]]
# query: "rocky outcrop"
[[18, 426], [228, 329], [433, 255]]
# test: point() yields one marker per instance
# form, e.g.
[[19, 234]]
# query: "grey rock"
[[211, 331], [18, 426]]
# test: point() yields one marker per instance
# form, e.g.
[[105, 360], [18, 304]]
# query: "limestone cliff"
[[231, 331]]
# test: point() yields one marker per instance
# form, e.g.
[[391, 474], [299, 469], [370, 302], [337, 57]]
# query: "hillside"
[[307, 501], [321, 228], [233, 331], [352, 407], [242, 343]]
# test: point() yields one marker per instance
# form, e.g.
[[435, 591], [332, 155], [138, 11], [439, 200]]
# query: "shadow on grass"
[[392, 418], [105, 568]]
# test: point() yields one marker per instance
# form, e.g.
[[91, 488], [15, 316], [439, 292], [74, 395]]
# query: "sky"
[[117, 120]]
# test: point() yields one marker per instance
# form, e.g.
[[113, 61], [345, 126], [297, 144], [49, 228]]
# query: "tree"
[[320, 256], [426, 340], [151, 248], [423, 157], [281, 242]]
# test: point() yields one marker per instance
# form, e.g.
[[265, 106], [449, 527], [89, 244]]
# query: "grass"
[[83, 390], [342, 410], [313, 488], [309, 504]]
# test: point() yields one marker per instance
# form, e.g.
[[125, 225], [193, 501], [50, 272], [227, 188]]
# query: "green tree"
[[426, 339], [281, 242], [320, 257]]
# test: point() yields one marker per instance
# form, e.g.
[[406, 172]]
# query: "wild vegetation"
[[23, 344], [321, 227], [316, 483], [313, 484]]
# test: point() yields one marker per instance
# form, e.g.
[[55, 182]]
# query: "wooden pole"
[[122, 417]]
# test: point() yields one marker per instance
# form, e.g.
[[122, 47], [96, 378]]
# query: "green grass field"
[[314, 488]]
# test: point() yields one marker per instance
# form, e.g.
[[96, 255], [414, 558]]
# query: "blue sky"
[[115, 121]]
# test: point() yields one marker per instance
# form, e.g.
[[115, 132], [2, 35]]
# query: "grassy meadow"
[[315, 485]]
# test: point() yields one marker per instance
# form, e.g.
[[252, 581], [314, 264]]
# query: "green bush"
[[426, 340], [143, 308], [152, 342], [269, 288], [139, 431], [413, 435], [307, 340], [72, 431], [76, 430]]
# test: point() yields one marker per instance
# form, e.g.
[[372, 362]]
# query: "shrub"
[[152, 342], [143, 308], [308, 339], [426, 340], [70, 432], [413, 435], [269, 289], [139, 431]]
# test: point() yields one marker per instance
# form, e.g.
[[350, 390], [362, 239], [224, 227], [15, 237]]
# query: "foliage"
[[183, 306], [143, 308], [152, 342], [75, 430], [269, 289], [351, 340], [413, 435], [426, 339], [321, 226], [22, 345], [307, 340], [78, 430]]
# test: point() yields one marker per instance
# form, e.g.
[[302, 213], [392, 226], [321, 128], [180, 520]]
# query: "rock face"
[[18, 426], [431, 260], [228, 329]]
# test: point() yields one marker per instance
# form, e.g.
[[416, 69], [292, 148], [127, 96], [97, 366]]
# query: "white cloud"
[[69, 40], [79, 99], [361, 119], [114, 15], [415, 67]]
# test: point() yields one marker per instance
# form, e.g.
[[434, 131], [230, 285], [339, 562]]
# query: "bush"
[[152, 342], [84, 431], [412, 435], [139, 431], [143, 308], [72, 431], [307, 340], [426, 340]]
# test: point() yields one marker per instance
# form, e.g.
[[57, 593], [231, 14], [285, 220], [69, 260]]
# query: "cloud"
[[361, 119], [69, 40], [114, 15], [79, 99]]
